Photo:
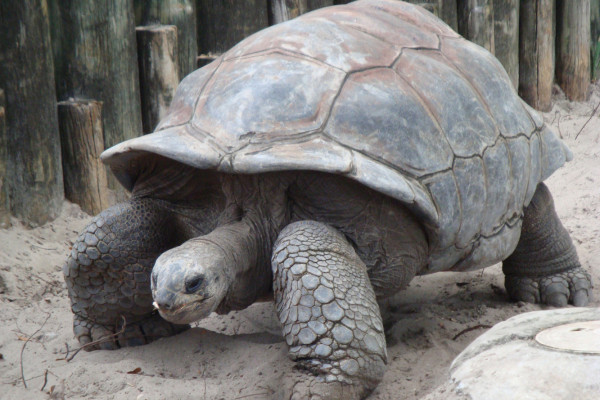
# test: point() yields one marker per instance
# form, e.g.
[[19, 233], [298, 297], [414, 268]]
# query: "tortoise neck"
[[256, 210]]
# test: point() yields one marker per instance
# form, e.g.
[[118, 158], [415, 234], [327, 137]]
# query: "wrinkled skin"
[[327, 248]]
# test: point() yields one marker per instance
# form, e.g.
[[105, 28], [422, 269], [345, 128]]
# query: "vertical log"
[[449, 13], [157, 57], [223, 23], [283, 10], [182, 14], [33, 167], [506, 36], [96, 58], [4, 204], [476, 22], [444, 9], [595, 38], [82, 142], [315, 4], [430, 5], [536, 52], [573, 48]]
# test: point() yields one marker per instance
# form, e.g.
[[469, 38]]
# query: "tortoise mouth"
[[186, 313]]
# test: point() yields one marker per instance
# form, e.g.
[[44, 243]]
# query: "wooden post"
[[96, 58], [82, 141], [157, 57], [4, 204], [536, 52], [33, 168], [573, 48], [449, 13], [595, 38], [182, 14], [476, 22], [283, 10], [444, 9], [506, 37], [223, 23]]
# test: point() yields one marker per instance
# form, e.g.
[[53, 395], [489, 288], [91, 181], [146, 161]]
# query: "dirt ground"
[[243, 355]]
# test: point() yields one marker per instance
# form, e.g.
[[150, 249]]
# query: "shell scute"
[[183, 105], [492, 83], [470, 178], [377, 113], [313, 36], [449, 97], [275, 96], [498, 185]]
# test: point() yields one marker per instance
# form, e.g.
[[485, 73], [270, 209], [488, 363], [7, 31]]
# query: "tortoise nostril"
[[164, 306]]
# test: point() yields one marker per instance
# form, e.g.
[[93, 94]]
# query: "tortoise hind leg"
[[108, 275], [544, 268]]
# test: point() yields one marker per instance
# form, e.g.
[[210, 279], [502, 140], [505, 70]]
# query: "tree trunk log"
[[157, 57], [449, 13], [4, 204], [96, 58], [506, 37], [283, 10], [82, 142], [182, 14], [476, 22], [444, 9], [432, 6], [33, 167], [536, 52], [223, 23], [573, 48], [595, 38]]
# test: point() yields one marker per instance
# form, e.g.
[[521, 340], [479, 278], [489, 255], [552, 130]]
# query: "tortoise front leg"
[[108, 274], [329, 314]]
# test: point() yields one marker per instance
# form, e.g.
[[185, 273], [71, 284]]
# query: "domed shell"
[[380, 91]]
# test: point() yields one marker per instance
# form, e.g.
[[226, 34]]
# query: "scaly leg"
[[329, 314], [544, 268], [108, 275]]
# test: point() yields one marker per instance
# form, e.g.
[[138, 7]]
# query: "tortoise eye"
[[192, 285]]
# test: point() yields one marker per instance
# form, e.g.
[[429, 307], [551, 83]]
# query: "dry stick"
[[45, 380], [23, 349], [589, 119], [101, 340], [480, 326]]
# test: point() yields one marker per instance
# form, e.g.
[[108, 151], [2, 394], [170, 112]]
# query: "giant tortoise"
[[326, 161]]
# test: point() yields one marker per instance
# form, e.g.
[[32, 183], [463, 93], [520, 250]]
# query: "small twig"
[[23, 349], [44, 248], [252, 395], [558, 126], [45, 380], [589, 119], [95, 342], [480, 326]]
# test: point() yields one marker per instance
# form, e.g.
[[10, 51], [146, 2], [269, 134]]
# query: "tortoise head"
[[190, 281]]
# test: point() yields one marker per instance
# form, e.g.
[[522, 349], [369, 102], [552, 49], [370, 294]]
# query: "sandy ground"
[[243, 355]]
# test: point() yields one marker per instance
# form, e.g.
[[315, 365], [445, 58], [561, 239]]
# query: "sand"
[[242, 355]]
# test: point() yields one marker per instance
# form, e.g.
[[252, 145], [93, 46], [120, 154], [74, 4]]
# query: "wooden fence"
[[80, 76]]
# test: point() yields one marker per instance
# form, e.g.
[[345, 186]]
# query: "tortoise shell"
[[382, 92]]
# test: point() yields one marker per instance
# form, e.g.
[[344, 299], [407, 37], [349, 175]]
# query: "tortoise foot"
[[96, 336], [573, 286], [307, 385]]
